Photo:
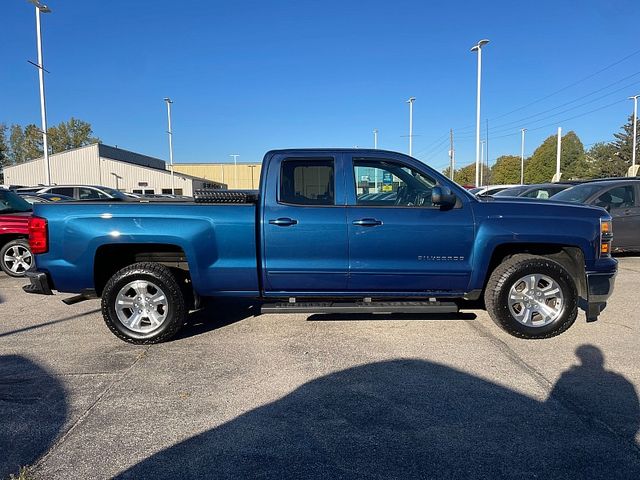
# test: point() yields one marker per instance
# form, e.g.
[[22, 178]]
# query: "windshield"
[[511, 192], [577, 194], [114, 193], [12, 203]]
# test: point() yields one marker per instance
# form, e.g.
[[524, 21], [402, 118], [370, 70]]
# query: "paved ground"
[[238, 396]]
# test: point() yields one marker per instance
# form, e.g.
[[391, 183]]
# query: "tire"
[[531, 312], [143, 304], [16, 258]]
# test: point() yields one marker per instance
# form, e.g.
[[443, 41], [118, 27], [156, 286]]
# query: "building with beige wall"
[[101, 164], [244, 176]]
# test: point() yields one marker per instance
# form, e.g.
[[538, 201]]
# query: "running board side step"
[[360, 307]]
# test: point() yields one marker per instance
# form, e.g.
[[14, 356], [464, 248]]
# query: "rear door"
[[305, 244], [398, 241]]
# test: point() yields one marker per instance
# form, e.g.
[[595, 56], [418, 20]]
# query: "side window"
[[619, 197], [68, 191], [307, 182], [380, 183], [88, 194]]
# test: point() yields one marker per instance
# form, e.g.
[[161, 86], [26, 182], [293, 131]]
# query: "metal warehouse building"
[[100, 164], [244, 176]]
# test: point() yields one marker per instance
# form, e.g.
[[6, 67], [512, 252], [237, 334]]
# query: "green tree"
[[624, 142], [605, 162], [17, 143], [71, 134], [4, 151], [467, 174], [542, 165], [506, 170], [32, 142]]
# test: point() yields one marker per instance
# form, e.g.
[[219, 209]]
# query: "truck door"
[[624, 206], [398, 241], [305, 244]]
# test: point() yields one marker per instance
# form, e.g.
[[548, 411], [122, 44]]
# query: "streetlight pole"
[[410, 102], [632, 171], [375, 138], [478, 48], [41, 8], [522, 157], [170, 132], [235, 169], [556, 177], [481, 161]]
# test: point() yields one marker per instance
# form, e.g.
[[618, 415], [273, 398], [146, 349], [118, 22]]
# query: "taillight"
[[38, 236], [606, 236]]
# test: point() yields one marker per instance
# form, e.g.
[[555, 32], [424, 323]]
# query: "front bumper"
[[600, 288], [39, 283]]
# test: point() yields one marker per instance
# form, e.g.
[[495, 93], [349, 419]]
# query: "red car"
[[15, 256]]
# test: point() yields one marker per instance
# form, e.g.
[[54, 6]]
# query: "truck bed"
[[218, 241]]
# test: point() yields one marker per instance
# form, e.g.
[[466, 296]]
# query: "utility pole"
[[488, 179], [41, 8], [410, 102], [170, 133], [633, 170], [481, 161], [556, 177], [452, 155], [375, 138], [478, 48], [522, 157], [235, 168]]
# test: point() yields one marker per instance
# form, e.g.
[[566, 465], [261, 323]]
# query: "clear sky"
[[248, 76]]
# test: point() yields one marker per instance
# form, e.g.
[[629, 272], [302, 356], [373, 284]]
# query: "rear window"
[[577, 194], [307, 182], [12, 203]]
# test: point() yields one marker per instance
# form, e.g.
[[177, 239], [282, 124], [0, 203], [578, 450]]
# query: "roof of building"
[[115, 153]]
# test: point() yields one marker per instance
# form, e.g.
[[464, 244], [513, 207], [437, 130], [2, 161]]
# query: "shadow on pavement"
[[322, 317], [406, 419], [33, 409], [217, 313], [45, 324]]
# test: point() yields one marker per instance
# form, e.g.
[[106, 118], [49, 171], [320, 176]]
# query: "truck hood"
[[14, 223], [518, 206]]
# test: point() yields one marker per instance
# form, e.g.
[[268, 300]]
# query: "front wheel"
[[530, 296], [16, 258], [143, 304]]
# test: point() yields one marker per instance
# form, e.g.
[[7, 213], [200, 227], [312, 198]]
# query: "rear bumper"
[[39, 283], [600, 288]]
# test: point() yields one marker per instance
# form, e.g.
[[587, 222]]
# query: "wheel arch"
[[570, 257], [111, 258]]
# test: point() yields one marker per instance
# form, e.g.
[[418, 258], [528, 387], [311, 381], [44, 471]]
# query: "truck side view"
[[341, 230]]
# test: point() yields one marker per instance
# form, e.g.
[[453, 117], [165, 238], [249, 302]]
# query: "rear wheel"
[[16, 258], [143, 304], [531, 296]]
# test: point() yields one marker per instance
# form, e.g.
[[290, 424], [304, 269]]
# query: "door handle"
[[367, 222], [283, 222]]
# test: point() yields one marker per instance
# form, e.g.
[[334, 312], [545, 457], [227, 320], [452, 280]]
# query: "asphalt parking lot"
[[298, 396]]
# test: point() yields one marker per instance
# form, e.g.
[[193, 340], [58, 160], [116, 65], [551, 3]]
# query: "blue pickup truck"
[[341, 230]]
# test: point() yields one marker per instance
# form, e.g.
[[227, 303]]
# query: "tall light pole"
[[478, 48], [170, 133], [410, 102], [235, 168], [41, 8], [556, 177], [375, 138], [632, 171], [522, 157], [481, 161]]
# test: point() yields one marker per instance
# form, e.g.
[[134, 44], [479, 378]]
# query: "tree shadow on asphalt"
[[33, 409], [50, 322], [410, 419]]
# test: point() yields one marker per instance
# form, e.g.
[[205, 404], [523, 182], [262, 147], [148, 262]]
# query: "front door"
[[304, 226], [624, 206], [398, 241]]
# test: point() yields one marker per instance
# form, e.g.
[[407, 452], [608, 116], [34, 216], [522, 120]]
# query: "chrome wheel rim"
[[141, 306], [536, 300], [18, 259]]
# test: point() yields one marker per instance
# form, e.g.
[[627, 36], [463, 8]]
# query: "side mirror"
[[442, 196]]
